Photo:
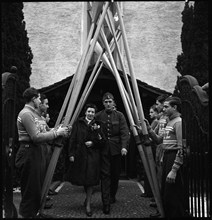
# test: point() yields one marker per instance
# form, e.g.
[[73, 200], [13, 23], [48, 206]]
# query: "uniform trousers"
[[172, 193], [32, 163], [110, 172]]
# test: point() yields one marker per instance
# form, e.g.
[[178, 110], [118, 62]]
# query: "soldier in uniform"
[[117, 136]]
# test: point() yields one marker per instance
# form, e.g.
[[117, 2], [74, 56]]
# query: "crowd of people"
[[96, 143]]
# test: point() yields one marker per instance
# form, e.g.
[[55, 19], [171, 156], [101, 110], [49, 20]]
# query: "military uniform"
[[117, 137]]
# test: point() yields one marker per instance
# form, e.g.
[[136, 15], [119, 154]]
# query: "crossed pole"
[[71, 102], [100, 13]]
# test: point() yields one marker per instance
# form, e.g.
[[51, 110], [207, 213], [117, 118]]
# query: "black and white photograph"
[[105, 109]]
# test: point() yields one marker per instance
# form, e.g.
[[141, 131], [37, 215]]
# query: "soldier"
[[117, 138]]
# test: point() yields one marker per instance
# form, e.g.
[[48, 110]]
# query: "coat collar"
[[176, 114], [83, 119]]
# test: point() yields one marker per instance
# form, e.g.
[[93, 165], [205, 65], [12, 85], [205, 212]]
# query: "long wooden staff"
[[147, 153], [87, 90], [92, 78], [135, 133], [85, 65], [152, 177], [99, 50], [57, 150], [68, 94], [96, 9], [134, 109]]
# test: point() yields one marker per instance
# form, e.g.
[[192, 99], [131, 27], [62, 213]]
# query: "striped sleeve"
[[28, 122], [179, 156]]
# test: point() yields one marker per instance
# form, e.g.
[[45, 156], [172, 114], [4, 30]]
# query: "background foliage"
[[15, 46], [194, 38]]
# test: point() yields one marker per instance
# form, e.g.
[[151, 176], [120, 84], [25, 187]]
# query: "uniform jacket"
[[116, 131]]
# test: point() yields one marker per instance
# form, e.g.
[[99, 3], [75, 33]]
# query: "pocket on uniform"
[[115, 127]]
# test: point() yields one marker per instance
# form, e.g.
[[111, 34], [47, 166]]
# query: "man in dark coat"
[[117, 136]]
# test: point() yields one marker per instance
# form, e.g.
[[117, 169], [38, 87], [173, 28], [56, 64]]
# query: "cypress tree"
[[199, 49], [15, 52], [183, 64], [15, 46], [194, 39]]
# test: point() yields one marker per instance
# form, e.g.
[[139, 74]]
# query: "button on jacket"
[[115, 129]]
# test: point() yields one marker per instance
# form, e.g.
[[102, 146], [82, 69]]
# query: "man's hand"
[[171, 176], [123, 151], [62, 131], [71, 159], [88, 143], [147, 124]]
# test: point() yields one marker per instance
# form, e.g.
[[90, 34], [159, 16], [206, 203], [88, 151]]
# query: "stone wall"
[[153, 30]]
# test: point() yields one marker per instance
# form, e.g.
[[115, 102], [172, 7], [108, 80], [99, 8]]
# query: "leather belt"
[[25, 144]]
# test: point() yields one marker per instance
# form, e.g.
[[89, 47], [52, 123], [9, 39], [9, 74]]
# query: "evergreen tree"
[[15, 46], [183, 66], [194, 39], [199, 49], [15, 52]]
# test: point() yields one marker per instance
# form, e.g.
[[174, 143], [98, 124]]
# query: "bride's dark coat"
[[85, 170]]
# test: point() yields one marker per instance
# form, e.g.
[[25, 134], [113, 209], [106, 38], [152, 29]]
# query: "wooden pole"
[[148, 149], [82, 60], [99, 50], [134, 108], [68, 95], [149, 168], [57, 150], [135, 87], [135, 133], [88, 88], [92, 78], [85, 65]]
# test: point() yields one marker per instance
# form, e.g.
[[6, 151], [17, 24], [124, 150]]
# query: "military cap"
[[107, 95]]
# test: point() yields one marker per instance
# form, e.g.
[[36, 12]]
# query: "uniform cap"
[[107, 95]]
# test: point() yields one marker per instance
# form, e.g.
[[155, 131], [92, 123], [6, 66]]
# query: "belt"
[[170, 151], [26, 144], [113, 138]]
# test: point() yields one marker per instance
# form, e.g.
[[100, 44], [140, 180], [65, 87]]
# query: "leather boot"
[[106, 209]]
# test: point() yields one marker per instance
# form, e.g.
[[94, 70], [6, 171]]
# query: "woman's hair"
[[154, 108], [90, 105], [42, 97]]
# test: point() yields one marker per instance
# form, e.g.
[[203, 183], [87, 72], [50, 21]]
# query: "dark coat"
[[85, 170]]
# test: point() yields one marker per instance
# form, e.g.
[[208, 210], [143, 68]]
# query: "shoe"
[[48, 198], [48, 206], [88, 213], [52, 193], [85, 203], [155, 215], [145, 195], [153, 204], [112, 200], [41, 215], [106, 209], [152, 199]]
